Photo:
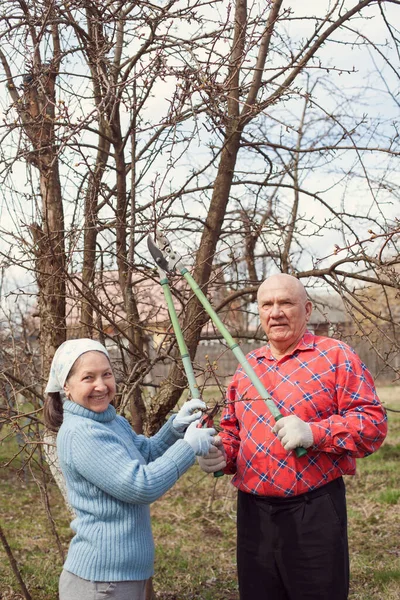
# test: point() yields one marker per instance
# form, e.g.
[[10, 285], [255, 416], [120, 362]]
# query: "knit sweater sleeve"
[[153, 447], [102, 459]]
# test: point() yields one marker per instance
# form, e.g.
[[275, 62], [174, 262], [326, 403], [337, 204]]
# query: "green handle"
[[300, 451], [237, 351], [187, 363]]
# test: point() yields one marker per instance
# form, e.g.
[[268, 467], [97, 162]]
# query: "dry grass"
[[194, 529]]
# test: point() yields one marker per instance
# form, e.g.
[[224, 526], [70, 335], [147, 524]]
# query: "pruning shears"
[[169, 261], [164, 266], [207, 419]]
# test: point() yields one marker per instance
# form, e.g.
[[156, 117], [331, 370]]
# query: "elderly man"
[[291, 511]]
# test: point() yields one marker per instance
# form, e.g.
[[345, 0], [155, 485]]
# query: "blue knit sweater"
[[112, 476]]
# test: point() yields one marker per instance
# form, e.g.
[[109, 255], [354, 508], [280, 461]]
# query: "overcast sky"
[[374, 103]]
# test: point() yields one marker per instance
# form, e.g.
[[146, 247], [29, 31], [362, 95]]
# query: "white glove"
[[215, 460], [200, 438], [187, 414], [293, 432]]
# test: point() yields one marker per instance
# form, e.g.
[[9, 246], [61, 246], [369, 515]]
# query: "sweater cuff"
[[179, 434], [168, 434]]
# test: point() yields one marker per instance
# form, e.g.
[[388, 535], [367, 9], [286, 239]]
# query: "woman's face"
[[91, 382]]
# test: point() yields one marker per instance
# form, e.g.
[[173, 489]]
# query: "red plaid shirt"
[[323, 382]]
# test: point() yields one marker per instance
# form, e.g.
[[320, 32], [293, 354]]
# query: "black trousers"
[[293, 548]]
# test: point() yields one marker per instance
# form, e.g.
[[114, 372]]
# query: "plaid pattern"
[[324, 383]]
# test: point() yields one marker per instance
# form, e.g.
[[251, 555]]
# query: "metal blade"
[[156, 253]]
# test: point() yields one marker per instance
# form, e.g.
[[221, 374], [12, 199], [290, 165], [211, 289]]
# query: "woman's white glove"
[[215, 460], [187, 414], [293, 432], [200, 438]]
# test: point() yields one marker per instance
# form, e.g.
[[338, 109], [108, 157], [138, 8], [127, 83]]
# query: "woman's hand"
[[188, 414], [200, 438]]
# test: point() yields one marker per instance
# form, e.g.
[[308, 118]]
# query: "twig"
[[14, 565], [45, 497]]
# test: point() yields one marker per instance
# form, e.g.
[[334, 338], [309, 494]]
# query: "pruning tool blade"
[[160, 249], [157, 255], [208, 416]]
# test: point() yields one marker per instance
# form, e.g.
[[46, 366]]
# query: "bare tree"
[[251, 132], [223, 124], [105, 107], [108, 105]]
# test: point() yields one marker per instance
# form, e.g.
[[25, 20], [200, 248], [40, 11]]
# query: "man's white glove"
[[187, 414], [293, 432], [215, 460], [200, 438]]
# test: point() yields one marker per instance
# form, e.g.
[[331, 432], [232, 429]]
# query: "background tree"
[[256, 134]]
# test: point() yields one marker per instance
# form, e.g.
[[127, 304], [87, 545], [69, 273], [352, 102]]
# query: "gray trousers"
[[72, 587]]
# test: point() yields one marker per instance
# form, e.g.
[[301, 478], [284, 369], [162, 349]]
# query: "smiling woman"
[[112, 474], [91, 382]]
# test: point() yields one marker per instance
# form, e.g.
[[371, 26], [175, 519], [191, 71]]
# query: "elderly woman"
[[112, 474]]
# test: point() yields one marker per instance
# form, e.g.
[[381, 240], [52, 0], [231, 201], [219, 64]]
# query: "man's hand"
[[293, 432], [215, 460], [188, 413]]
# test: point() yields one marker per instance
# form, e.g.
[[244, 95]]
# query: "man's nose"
[[275, 310]]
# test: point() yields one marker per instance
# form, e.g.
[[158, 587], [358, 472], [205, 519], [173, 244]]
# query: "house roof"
[[152, 308], [328, 308], [149, 297]]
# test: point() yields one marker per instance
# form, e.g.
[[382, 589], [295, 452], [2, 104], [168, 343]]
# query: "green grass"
[[194, 529], [389, 496]]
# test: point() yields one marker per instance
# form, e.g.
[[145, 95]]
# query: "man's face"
[[284, 311]]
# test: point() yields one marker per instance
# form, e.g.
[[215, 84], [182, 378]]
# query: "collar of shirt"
[[307, 342]]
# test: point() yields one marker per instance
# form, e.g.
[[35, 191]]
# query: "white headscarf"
[[65, 357]]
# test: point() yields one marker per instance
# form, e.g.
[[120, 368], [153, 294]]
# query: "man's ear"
[[309, 307]]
